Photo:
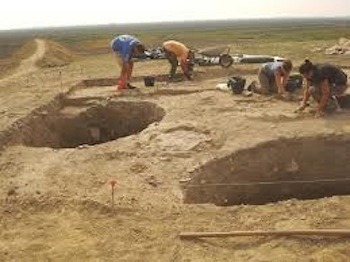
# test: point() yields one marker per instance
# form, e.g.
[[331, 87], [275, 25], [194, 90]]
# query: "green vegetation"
[[284, 37]]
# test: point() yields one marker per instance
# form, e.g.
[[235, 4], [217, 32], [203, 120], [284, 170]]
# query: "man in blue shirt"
[[126, 47]]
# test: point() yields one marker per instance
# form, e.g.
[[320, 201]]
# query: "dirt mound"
[[56, 55], [9, 65], [342, 48]]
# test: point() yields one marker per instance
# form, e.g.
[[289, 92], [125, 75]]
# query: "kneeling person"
[[325, 82], [177, 52]]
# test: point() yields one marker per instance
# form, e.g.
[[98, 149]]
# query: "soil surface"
[[56, 200]]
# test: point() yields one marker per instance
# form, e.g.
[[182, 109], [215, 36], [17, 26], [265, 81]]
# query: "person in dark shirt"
[[325, 82]]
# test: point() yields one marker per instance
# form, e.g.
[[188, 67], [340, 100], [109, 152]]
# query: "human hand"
[[301, 108]]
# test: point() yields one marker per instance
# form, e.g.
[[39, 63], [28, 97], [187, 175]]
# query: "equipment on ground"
[[149, 81], [236, 84], [220, 55], [294, 82], [214, 56]]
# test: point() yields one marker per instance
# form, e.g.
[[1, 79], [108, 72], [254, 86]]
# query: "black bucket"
[[237, 84], [149, 80], [294, 83]]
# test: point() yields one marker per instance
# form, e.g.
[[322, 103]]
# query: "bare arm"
[[285, 79], [306, 94], [184, 67], [279, 82]]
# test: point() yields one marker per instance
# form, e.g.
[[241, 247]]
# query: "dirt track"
[[28, 65], [56, 200]]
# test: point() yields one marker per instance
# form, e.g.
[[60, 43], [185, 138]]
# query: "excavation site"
[[303, 168], [108, 160], [77, 125]]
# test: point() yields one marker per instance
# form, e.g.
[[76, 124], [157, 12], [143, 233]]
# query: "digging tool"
[[320, 233]]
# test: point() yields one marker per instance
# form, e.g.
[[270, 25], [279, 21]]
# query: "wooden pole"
[[324, 233], [113, 196]]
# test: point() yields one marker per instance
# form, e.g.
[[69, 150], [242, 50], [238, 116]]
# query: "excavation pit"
[[305, 168], [71, 126], [199, 75]]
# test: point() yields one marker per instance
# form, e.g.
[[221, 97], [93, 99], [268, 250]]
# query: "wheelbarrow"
[[214, 56]]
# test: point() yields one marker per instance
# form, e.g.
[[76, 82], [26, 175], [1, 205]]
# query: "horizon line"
[[175, 22]]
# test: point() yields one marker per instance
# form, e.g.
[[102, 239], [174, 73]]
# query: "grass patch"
[[294, 39]]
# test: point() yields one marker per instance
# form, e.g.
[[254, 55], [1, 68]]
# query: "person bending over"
[[177, 52], [125, 48]]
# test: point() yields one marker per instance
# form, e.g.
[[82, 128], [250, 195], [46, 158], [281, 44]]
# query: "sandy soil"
[[56, 202], [28, 66]]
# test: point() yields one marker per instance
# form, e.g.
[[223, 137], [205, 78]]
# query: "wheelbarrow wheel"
[[225, 60]]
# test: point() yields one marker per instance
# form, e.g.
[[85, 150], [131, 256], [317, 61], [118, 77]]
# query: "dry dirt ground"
[[54, 188]]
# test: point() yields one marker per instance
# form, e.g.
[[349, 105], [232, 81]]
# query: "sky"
[[45, 13]]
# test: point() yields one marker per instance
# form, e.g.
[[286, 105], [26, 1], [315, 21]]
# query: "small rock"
[[83, 146], [165, 159], [11, 192], [152, 181]]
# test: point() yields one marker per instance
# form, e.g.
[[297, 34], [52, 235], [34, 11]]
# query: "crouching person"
[[177, 52], [273, 77], [325, 83]]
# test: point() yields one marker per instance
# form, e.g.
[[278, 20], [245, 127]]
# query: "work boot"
[[130, 86]]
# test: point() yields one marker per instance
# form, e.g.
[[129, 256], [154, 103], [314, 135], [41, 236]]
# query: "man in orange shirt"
[[177, 52]]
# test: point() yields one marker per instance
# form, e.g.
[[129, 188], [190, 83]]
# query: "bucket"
[[149, 80], [237, 84], [294, 82]]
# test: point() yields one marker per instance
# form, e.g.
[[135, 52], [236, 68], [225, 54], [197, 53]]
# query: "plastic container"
[[149, 81]]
